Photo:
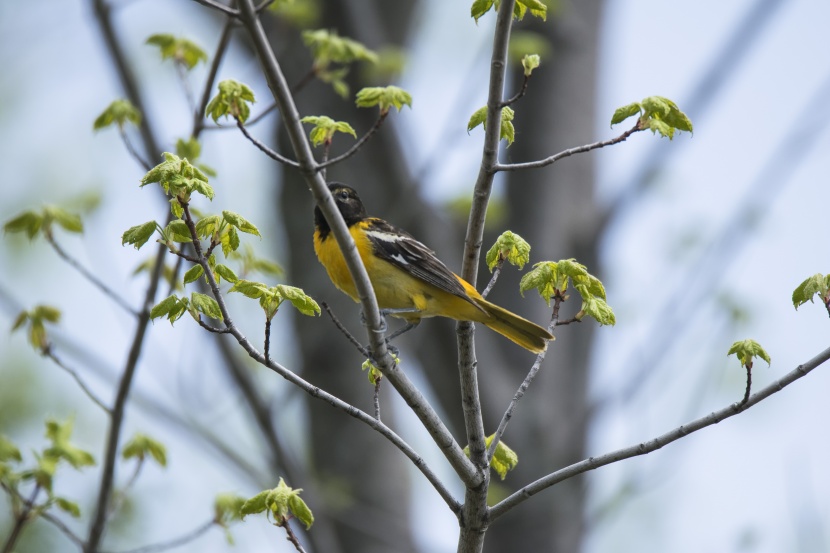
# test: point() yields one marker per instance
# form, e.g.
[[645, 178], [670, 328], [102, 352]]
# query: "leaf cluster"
[[506, 132], [328, 48], [182, 51], [233, 99], [385, 97], [141, 446], [537, 8], [656, 113], [325, 127], [119, 112], [746, 351], [816, 285], [180, 179], [37, 319], [552, 278], [173, 307], [508, 247], [280, 504]]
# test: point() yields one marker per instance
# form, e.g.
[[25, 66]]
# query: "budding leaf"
[[508, 247], [189, 149], [529, 63], [536, 7], [325, 127], [327, 46], [479, 8], [806, 291], [233, 100], [180, 50], [178, 177], [8, 451], [747, 350], [68, 221], [279, 504], [120, 112], [138, 235], [226, 273], [29, 222], [177, 231], [595, 307], [504, 458], [230, 241], [383, 97], [141, 446], [227, 508], [173, 307], [61, 449]]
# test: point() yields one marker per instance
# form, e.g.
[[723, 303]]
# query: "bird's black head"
[[348, 203]]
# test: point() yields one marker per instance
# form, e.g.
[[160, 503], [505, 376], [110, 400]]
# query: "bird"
[[409, 281]]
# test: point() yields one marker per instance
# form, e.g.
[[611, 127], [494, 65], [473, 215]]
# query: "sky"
[[753, 483]]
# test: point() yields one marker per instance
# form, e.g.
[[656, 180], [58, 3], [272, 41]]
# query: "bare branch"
[[567, 153], [211, 328], [199, 117], [376, 398], [515, 98], [50, 353], [494, 278], [265, 149], [652, 445], [217, 6], [353, 150], [125, 138], [292, 538], [176, 542], [264, 5], [363, 351]]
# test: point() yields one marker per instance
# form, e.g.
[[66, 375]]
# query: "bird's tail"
[[529, 335]]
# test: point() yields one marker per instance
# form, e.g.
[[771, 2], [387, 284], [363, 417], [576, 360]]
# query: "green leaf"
[[747, 350], [206, 305], [507, 132], [181, 50], [238, 221], [138, 235], [807, 290], [193, 274], [8, 451], [227, 508], [59, 433], [325, 127], [250, 289], [300, 510], [543, 277], [595, 307], [305, 304], [255, 504], [226, 273], [529, 63], [172, 307], [233, 100], [327, 46], [177, 231], [658, 114], [120, 112], [508, 247], [208, 227], [230, 241], [47, 313], [29, 222], [504, 458], [479, 8], [383, 97], [140, 446], [67, 506], [536, 7]]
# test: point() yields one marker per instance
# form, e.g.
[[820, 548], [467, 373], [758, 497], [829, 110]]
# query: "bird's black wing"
[[402, 250]]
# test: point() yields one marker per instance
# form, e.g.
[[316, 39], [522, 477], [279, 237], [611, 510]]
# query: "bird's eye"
[[343, 195]]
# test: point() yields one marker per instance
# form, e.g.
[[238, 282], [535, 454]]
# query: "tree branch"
[[199, 114], [652, 445], [265, 149], [217, 6], [48, 352], [567, 153]]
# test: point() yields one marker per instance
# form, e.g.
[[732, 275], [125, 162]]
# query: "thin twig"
[[519, 94], [267, 347], [109, 292], [642, 448], [21, 519], [211, 328], [175, 542], [265, 149], [199, 117], [566, 153], [363, 351], [748, 383], [325, 157], [121, 495], [49, 352], [495, 277], [125, 138], [357, 145], [264, 5], [217, 6], [508, 414], [292, 538], [307, 78]]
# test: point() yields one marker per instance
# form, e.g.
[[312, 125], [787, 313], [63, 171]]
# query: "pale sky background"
[[754, 483]]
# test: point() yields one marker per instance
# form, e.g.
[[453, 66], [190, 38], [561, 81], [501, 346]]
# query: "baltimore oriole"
[[410, 282]]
